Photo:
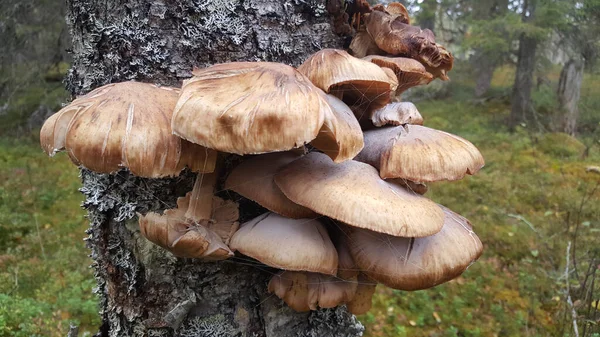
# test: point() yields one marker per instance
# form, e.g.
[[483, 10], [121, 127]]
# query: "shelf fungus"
[[200, 227], [417, 263], [362, 85], [419, 153], [124, 125], [353, 193]]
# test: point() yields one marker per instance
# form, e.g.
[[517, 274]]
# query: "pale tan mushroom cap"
[[353, 193], [304, 291], [249, 108], [289, 244], [409, 72], [124, 125], [363, 44], [397, 113], [253, 179], [417, 263], [341, 137], [419, 153]]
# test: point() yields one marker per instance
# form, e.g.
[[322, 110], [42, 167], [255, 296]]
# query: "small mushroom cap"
[[360, 84], [398, 9], [353, 193], [417, 263], [363, 44], [124, 125], [304, 291], [253, 179], [341, 137], [397, 113], [394, 36], [409, 72], [249, 108], [419, 153], [181, 236], [362, 301], [289, 244]]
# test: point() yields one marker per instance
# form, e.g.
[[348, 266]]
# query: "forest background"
[[525, 89]]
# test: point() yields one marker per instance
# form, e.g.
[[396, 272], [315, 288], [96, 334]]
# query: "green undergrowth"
[[45, 279]]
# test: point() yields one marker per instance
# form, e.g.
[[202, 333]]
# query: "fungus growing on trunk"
[[397, 113], [124, 125]]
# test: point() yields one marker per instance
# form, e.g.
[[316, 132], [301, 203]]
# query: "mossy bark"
[[144, 290]]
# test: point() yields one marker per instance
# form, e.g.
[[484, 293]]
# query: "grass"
[[525, 205]]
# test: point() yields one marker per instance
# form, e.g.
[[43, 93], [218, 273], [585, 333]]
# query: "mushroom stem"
[[200, 207]]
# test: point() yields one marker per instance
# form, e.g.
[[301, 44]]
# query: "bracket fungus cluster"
[[327, 149]]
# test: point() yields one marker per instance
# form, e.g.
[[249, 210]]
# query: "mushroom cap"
[[249, 108], [397, 113], [394, 36], [341, 137], [181, 236], [417, 263], [360, 84], [124, 125], [362, 300], [419, 153], [253, 179], [353, 193], [289, 244], [304, 291], [363, 44], [409, 72], [398, 9]]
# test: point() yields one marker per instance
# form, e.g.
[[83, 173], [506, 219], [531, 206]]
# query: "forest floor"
[[532, 198]]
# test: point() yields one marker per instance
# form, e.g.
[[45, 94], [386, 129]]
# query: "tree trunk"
[[521, 109], [568, 92], [484, 66], [143, 290]]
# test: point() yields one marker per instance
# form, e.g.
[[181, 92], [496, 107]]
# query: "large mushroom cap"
[[304, 291], [249, 108], [419, 153], [360, 84], [417, 263], [124, 125], [253, 179], [289, 244], [353, 193], [340, 137]]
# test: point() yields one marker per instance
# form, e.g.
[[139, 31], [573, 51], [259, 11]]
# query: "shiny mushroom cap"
[[419, 153], [353, 193], [360, 84], [397, 113], [249, 108], [289, 244], [341, 137], [304, 291], [124, 125], [417, 263], [253, 179]]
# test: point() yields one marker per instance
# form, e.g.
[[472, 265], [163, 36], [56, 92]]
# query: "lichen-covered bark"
[[144, 290]]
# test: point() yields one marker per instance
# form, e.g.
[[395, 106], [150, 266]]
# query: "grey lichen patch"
[[212, 326]]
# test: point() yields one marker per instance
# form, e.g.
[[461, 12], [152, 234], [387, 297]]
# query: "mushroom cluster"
[[338, 162]]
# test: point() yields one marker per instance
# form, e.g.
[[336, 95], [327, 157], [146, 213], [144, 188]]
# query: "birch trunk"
[[143, 290]]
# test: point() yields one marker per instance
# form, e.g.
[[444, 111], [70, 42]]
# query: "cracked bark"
[[143, 290]]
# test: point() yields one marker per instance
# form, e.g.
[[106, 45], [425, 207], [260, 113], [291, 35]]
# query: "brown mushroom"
[[362, 300], [417, 263], [360, 84], [419, 153], [124, 125], [249, 108], [362, 44], [304, 291], [253, 179], [289, 244], [409, 72], [397, 113], [354, 194]]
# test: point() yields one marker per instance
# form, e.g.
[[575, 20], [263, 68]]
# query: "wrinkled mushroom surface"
[[397, 113], [124, 124]]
